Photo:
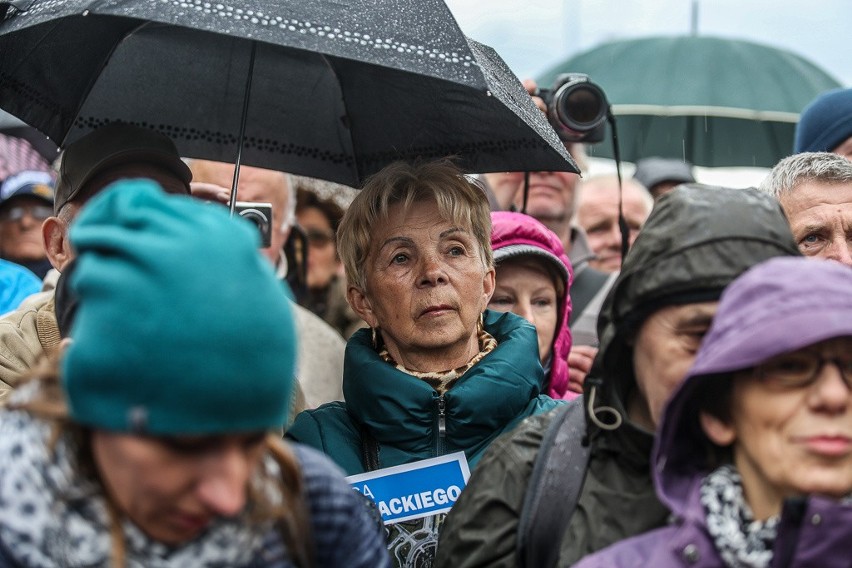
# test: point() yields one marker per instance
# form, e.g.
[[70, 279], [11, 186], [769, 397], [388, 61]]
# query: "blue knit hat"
[[182, 327], [825, 123]]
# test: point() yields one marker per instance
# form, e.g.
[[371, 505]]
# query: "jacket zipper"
[[442, 426]]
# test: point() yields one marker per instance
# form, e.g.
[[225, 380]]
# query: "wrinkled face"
[[844, 149], [820, 218], [20, 228], [174, 488], [791, 439], [664, 350], [551, 194], [597, 214], [323, 264], [255, 184], [525, 288], [426, 284]]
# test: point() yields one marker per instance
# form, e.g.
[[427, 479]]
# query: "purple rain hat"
[[778, 306]]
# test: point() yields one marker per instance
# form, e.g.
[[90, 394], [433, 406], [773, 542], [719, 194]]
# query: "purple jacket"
[[779, 306], [516, 234]]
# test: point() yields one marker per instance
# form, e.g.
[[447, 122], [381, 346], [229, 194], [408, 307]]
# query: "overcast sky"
[[531, 35]]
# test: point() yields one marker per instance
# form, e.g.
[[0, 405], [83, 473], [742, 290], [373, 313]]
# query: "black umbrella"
[[329, 89]]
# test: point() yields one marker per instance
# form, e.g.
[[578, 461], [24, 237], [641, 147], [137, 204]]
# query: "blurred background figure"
[[597, 214], [661, 175], [320, 365], [26, 200], [324, 291], [825, 125], [755, 448], [16, 283], [533, 279]]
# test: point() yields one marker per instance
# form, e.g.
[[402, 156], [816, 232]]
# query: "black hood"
[[696, 241]]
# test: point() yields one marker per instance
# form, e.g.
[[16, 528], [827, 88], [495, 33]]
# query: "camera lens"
[[583, 105], [256, 217]]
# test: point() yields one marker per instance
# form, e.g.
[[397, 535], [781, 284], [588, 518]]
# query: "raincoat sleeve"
[[481, 529]]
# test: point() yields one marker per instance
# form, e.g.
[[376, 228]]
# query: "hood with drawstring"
[[697, 240]]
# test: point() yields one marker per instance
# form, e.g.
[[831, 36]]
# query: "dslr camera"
[[576, 108], [260, 214]]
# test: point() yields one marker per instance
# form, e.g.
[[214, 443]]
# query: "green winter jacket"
[[402, 413], [696, 241]]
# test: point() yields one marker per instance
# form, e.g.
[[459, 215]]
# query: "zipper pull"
[[442, 417]]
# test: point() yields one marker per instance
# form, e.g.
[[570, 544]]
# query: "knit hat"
[[113, 145], [182, 327], [825, 123]]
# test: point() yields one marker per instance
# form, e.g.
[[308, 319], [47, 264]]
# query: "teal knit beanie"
[[182, 327]]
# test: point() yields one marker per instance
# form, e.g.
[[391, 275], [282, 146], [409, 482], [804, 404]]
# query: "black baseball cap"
[[112, 145]]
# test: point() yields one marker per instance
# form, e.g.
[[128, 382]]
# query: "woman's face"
[[525, 288], [790, 437], [426, 286], [173, 488], [323, 264]]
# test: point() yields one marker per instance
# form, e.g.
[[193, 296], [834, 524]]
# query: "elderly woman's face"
[[526, 288], [791, 425], [173, 488], [426, 286]]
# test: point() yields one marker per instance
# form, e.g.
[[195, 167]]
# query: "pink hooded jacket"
[[515, 235]]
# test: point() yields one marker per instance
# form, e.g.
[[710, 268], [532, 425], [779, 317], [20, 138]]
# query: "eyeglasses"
[[318, 238], [799, 370], [37, 212]]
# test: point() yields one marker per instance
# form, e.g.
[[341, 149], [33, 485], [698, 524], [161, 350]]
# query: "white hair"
[[797, 169]]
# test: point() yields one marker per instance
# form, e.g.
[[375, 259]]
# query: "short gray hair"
[[793, 171]]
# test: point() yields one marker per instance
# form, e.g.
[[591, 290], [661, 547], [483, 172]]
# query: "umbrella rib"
[[699, 110], [347, 123], [106, 60]]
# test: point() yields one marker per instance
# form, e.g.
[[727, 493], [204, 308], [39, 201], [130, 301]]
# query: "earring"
[[375, 337], [481, 324]]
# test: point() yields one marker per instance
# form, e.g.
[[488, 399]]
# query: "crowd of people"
[[175, 393]]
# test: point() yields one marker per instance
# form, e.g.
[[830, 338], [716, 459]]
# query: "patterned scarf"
[[442, 381], [741, 541], [52, 516]]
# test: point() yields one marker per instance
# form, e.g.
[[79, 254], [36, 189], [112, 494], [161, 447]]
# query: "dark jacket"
[[696, 241], [401, 411]]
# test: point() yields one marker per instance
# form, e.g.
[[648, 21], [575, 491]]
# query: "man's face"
[[255, 184], [55, 229], [663, 352], [597, 214], [20, 228], [550, 197], [820, 216]]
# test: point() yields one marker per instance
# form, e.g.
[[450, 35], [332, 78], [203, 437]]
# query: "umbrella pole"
[[232, 202]]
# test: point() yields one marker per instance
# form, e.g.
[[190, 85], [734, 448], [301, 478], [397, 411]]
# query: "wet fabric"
[[696, 241]]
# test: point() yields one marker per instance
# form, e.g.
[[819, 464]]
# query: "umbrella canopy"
[[337, 90], [711, 101]]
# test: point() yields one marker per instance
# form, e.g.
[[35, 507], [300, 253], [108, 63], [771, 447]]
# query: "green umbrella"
[[710, 101]]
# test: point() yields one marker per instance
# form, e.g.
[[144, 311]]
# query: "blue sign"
[[415, 490]]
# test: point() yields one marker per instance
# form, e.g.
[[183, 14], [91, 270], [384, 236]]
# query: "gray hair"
[[458, 199], [797, 169]]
